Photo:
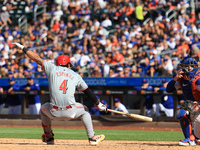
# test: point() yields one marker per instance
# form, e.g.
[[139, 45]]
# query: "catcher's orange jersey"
[[195, 91]]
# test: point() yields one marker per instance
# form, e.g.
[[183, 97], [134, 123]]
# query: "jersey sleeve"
[[149, 88], [16, 87], [177, 85], [172, 86], [162, 88], [47, 66], [81, 85], [35, 87]]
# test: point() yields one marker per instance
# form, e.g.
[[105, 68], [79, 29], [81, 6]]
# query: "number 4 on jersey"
[[63, 86]]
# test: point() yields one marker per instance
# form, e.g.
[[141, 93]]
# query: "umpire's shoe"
[[186, 142], [96, 139], [48, 140]]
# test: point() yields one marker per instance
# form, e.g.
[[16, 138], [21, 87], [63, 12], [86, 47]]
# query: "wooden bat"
[[135, 116]]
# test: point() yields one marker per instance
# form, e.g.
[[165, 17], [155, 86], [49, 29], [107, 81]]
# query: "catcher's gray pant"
[[196, 120], [78, 110]]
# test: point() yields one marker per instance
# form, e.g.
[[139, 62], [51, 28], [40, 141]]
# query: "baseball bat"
[[135, 116]]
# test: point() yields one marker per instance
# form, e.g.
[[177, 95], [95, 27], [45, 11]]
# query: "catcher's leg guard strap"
[[47, 130], [49, 133], [185, 123]]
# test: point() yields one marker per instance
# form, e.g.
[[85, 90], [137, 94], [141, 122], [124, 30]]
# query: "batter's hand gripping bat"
[[135, 116]]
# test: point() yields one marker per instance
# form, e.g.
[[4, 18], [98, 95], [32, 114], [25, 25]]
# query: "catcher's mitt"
[[192, 106]]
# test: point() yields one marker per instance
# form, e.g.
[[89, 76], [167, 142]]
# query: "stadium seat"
[[19, 14]]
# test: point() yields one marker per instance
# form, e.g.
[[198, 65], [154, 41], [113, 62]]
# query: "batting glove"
[[102, 107], [18, 45]]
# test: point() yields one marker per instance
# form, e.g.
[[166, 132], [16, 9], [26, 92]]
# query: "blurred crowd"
[[104, 38]]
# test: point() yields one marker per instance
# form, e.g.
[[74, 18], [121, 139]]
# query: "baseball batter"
[[62, 84]]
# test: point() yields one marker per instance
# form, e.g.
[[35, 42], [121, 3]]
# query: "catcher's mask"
[[189, 66], [63, 60]]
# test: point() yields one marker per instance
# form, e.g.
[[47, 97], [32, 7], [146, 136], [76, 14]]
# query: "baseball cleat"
[[96, 139], [198, 141], [186, 142], [192, 143], [49, 141]]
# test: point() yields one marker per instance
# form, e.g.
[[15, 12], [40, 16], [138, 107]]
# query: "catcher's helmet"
[[62, 60], [189, 72], [189, 61]]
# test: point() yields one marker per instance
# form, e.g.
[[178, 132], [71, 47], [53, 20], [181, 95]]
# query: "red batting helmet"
[[62, 60]]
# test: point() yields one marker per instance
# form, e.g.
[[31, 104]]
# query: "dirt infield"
[[33, 144]]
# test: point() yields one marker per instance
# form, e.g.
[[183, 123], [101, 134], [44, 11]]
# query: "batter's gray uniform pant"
[[48, 113], [196, 120]]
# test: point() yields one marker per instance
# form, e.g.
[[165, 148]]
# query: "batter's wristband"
[[25, 50]]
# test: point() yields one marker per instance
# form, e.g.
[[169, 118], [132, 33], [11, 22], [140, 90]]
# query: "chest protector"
[[195, 92]]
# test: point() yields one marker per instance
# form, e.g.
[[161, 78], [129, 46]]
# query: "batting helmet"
[[62, 60]]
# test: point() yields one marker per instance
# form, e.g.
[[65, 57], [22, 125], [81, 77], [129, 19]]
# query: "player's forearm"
[[35, 57], [91, 95]]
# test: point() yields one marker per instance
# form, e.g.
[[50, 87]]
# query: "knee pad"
[[185, 123], [180, 113]]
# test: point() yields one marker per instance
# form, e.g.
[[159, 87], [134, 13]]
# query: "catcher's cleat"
[[48, 140], [186, 142], [96, 139]]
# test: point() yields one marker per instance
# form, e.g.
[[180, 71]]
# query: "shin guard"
[[47, 130], [185, 123]]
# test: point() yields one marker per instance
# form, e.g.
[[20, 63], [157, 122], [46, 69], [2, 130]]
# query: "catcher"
[[188, 80]]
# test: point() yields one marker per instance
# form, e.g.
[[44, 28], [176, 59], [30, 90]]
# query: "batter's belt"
[[61, 108]]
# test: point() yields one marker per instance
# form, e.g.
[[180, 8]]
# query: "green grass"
[[80, 134]]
